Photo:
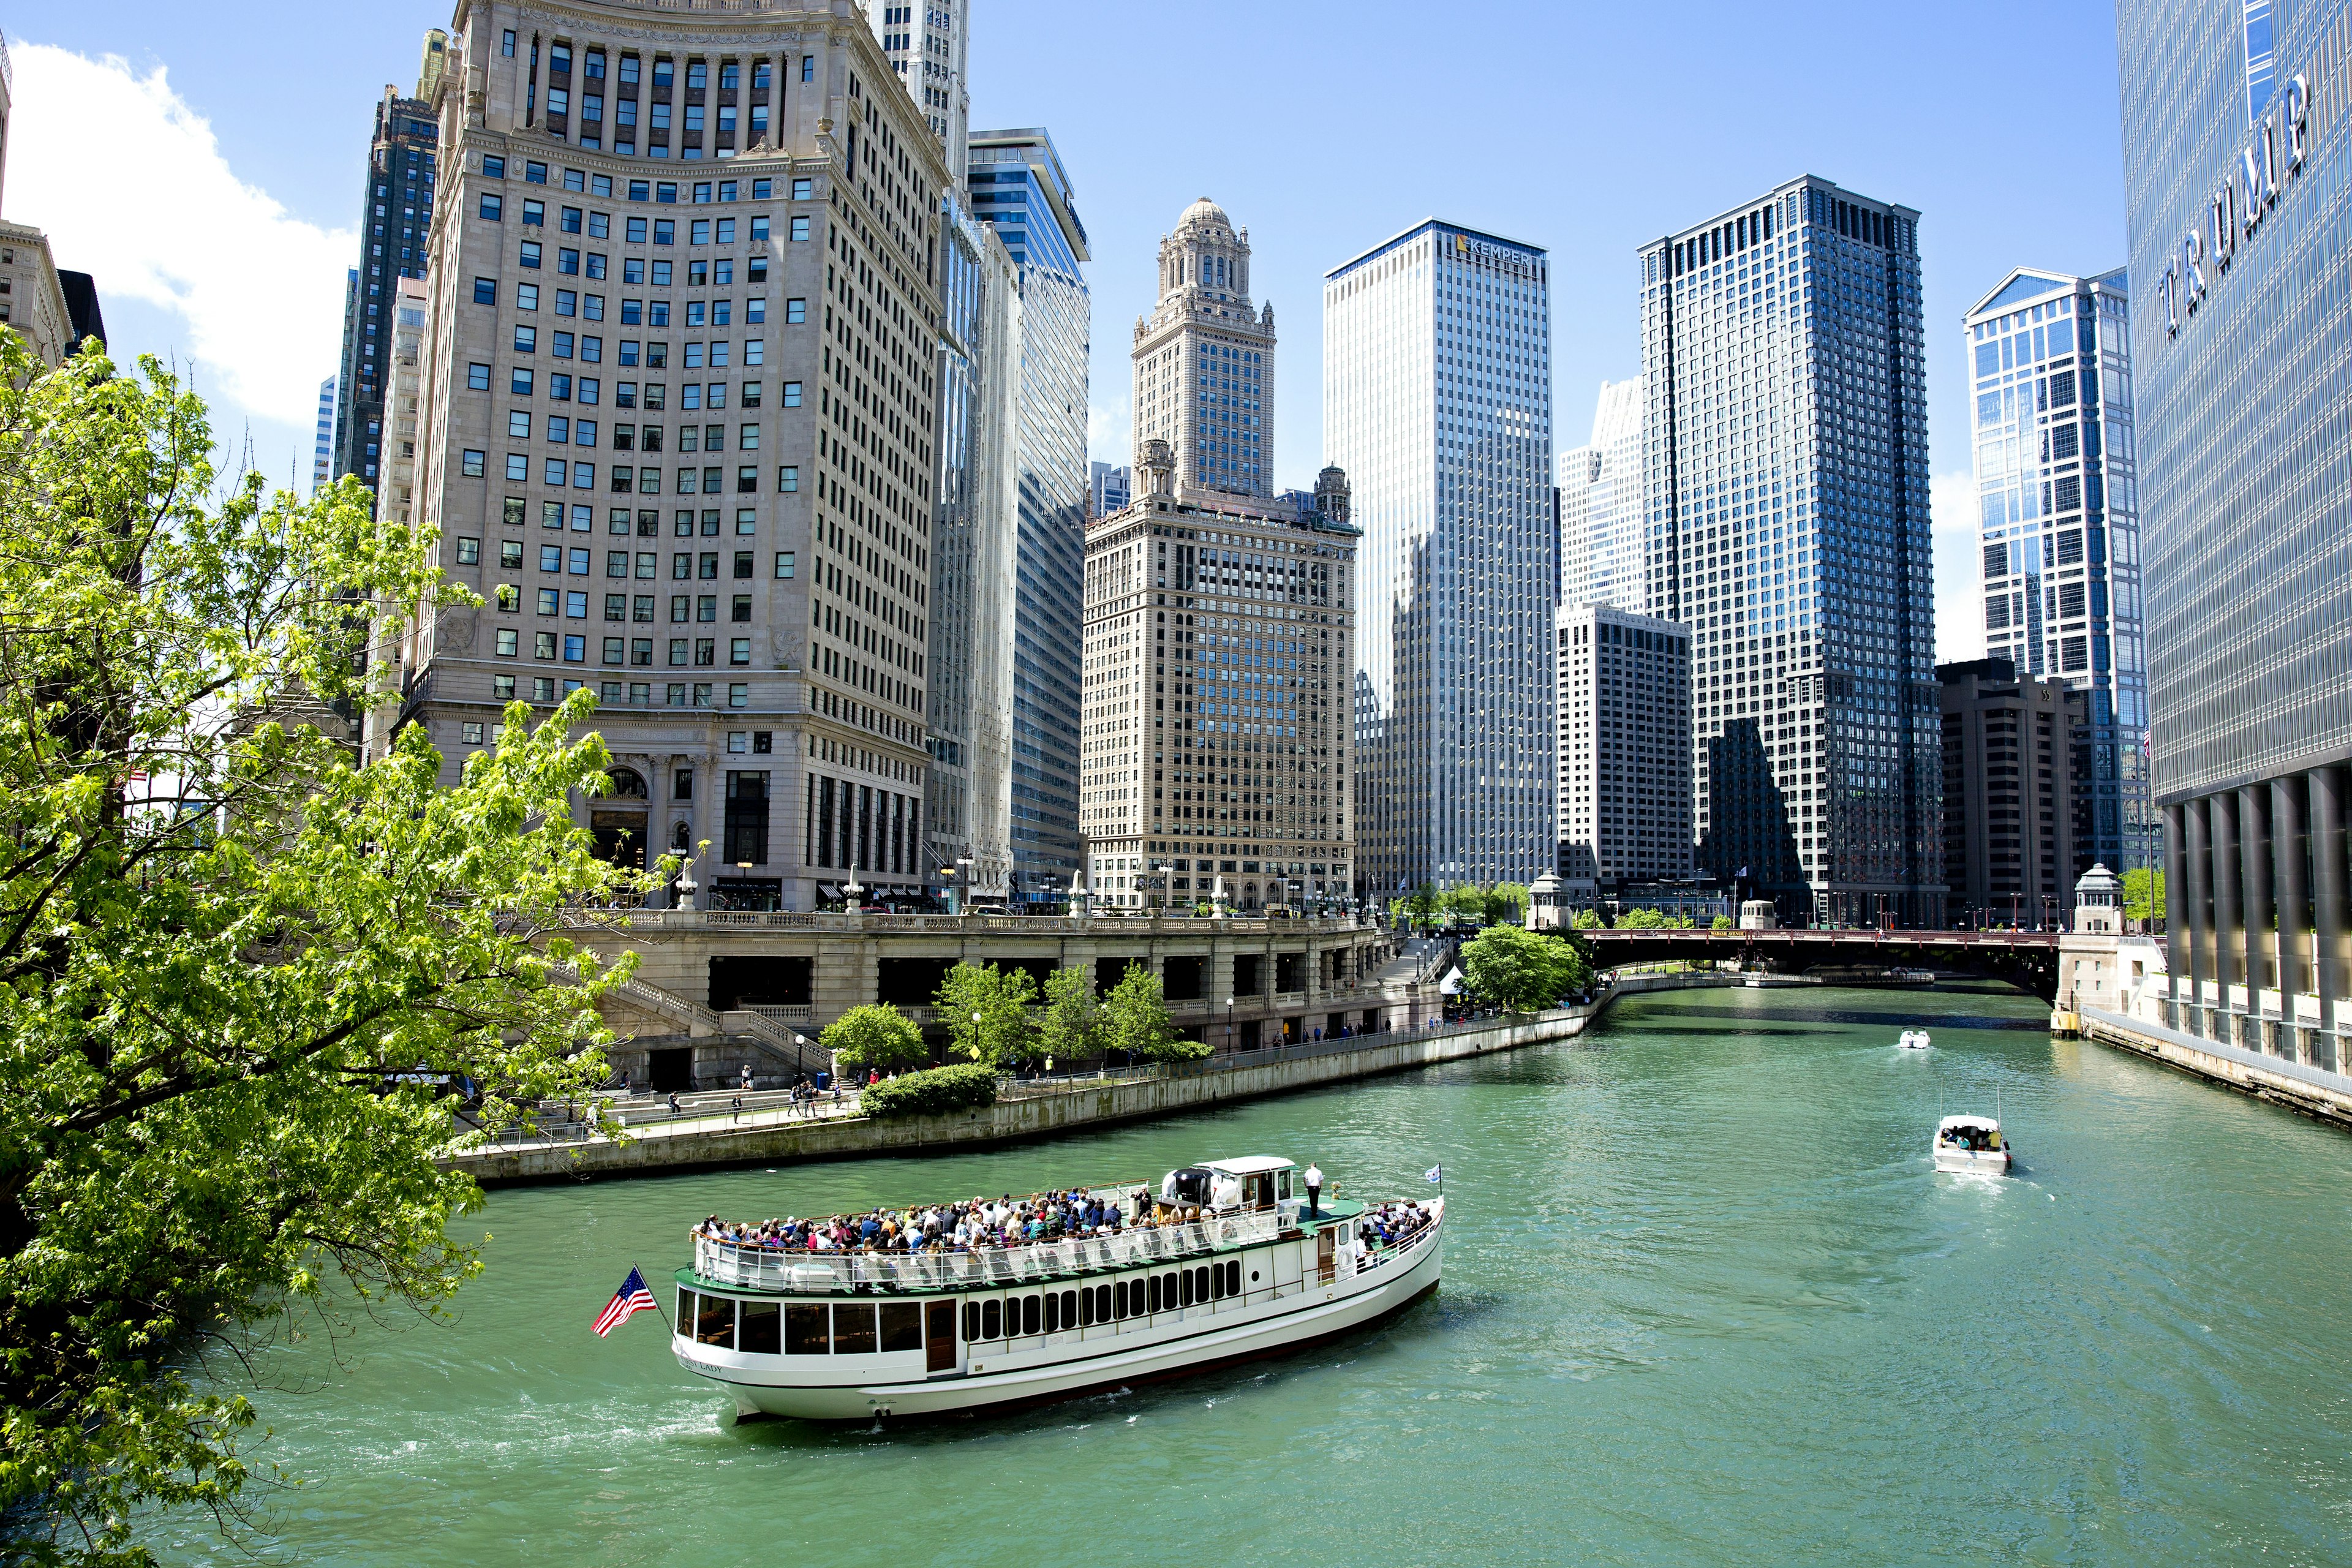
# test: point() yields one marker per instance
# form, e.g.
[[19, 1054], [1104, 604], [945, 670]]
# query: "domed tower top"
[[1206, 253]]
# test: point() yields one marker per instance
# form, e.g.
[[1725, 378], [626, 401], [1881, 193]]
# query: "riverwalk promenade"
[[711, 1133]]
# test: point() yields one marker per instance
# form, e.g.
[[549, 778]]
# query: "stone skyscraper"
[[1205, 358], [1020, 190], [927, 44], [1436, 401], [395, 220], [2057, 514], [2236, 141], [675, 426], [1786, 500]]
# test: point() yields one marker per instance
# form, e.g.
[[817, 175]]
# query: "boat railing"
[[751, 1267]]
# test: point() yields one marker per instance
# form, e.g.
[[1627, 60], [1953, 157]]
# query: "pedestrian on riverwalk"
[[1314, 1190]]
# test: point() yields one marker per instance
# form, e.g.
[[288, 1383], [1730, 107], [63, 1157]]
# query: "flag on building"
[[627, 1301]]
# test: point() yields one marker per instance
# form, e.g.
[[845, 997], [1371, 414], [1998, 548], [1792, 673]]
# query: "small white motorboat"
[[1914, 1040], [1971, 1143]]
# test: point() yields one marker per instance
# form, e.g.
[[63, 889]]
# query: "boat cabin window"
[[991, 1319], [902, 1326], [805, 1331], [852, 1328], [1283, 1176], [760, 1330], [1257, 1190], [714, 1321], [684, 1319]]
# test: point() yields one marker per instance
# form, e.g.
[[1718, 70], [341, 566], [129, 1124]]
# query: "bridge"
[[2026, 959]]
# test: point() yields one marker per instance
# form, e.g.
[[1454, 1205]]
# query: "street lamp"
[[1229, 1025], [956, 890]]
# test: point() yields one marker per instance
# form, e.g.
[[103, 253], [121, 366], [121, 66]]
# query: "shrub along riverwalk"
[[1034, 1108]]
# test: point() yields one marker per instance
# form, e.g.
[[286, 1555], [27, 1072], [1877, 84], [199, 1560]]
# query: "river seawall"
[[1038, 1114]]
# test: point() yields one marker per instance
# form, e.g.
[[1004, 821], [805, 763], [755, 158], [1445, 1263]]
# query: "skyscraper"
[[1020, 190], [2060, 533], [927, 44], [322, 448], [2012, 794], [1113, 489], [674, 424], [1601, 505], [971, 677], [1624, 750], [2245, 312], [396, 218], [1205, 358], [1216, 718], [1786, 501], [1436, 401]]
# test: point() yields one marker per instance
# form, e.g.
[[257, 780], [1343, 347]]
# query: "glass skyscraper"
[[1786, 501], [2243, 323], [1018, 189], [396, 216], [1437, 401], [2051, 365]]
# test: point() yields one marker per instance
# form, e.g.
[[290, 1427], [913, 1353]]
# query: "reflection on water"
[[1704, 1302]]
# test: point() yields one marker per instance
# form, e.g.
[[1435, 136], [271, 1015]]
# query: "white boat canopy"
[[1249, 1166]]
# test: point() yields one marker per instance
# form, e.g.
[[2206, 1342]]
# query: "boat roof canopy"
[[1984, 1121], [1249, 1164]]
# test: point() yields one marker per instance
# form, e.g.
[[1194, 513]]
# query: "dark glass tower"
[[1785, 483], [2236, 145], [396, 214]]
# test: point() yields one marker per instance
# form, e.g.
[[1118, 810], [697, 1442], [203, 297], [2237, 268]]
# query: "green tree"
[[1506, 903], [1424, 904], [987, 1010], [1722, 923], [1588, 920], [1070, 1029], [1640, 920], [1522, 971], [1465, 904], [2144, 893], [874, 1036], [219, 938], [1135, 1013]]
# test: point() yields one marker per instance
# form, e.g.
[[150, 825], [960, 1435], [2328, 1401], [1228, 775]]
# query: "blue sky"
[[1323, 128]]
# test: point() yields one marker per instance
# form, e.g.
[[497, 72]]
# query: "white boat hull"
[[1982, 1162], [1060, 1366]]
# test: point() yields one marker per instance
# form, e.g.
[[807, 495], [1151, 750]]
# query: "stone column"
[[2254, 850], [2179, 923], [2327, 893], [2200, 884], [2229, 889], [2294, 884]]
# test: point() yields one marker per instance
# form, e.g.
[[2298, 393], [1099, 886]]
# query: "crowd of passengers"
[[1393, 1225], [956, 1228]]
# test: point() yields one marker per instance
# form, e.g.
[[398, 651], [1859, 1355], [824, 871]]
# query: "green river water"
[[1705, 1302]]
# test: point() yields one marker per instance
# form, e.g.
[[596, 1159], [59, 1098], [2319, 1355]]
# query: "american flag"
[[627, 1301]]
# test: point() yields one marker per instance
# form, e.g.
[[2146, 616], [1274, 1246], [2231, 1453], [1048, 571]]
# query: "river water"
[[1705, 1302]]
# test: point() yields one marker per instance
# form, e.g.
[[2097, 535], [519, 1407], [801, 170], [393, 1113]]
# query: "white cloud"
[[1111, 432], [131, 185], [1960, 607]]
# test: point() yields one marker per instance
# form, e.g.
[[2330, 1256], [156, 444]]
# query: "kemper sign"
[[2273, 153]]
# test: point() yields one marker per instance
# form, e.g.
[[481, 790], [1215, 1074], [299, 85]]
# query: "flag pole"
[[657, 1296]]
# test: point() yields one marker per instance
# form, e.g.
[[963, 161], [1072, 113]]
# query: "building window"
[[788, 477], [800, 229], [786, 562], [492, 207], [486, 291], [791, 395], [472, 464]]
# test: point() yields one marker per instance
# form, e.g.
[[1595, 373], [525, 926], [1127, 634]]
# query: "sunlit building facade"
[[1601, 505], [2050, 357], [1436, 401], [1020, 190], [1786, 501], [2237, 142]]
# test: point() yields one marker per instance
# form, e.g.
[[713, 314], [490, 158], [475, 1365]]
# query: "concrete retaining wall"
[[2326, 1095], [1040, 1115]]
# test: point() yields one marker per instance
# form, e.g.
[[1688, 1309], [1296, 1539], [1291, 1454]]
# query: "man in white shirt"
[[1314, 1190]]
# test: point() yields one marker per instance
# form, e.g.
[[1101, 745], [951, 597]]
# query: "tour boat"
[[1914, 1040], [1967, 1143], [1235, 1267]]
